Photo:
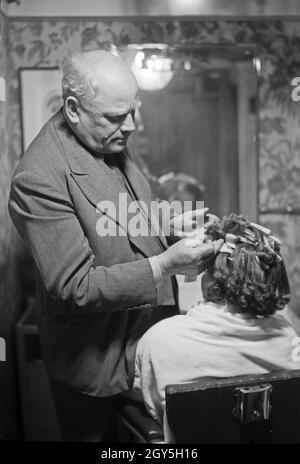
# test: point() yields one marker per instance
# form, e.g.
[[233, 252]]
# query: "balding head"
[[100, 99], [86, 75]]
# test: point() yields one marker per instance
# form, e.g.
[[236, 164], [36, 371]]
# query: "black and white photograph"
[[149, 226]]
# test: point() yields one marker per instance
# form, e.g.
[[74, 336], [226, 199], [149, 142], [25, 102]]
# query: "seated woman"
[[235, 330]]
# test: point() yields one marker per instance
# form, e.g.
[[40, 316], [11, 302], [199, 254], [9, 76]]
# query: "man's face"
[[106, 123]]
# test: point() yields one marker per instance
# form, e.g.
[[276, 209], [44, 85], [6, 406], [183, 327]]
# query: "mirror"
[[198, 123]]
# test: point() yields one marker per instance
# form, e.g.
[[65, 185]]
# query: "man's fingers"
[[207, 249], [198, 213], [218, 245], [185, 234], [198, 218], [210, 248], [211, 219], [196, 236]]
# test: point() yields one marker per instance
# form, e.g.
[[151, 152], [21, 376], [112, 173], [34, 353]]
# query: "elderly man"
[[97, 293]]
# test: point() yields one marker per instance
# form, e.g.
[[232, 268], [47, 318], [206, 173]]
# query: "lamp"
[[152, 67]]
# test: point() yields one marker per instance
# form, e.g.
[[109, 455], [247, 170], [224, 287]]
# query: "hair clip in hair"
[[226, 249], [268, 245], [262, 229], [271, 242], [245, 240], [231, 245], [276, 240], [231, 238], [250, 235]]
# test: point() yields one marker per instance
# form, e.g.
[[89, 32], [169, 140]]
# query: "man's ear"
[[72, 109]]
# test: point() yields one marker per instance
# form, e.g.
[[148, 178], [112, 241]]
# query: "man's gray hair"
[[77, 76]]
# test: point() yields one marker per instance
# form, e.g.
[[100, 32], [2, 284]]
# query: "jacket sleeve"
[[45, 218]]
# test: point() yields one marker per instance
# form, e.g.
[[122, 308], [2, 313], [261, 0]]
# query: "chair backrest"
[[246, 409]]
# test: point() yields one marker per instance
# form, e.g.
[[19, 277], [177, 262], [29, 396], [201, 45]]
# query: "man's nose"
[[128, 125]]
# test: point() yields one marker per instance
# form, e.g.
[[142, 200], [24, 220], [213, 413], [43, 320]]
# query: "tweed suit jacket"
[[96, 294]]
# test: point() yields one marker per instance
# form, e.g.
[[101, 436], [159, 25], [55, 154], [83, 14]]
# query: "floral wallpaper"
[[288, 230], [9, 283], [42, 43]]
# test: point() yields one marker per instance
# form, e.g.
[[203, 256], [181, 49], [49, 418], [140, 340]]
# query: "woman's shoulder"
[[165, 328]]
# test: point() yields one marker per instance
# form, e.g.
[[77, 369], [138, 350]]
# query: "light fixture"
[[151, 66], [257, 65]]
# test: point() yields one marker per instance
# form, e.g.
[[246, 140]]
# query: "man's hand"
[[182, 258], [192, 223], [183, 225]]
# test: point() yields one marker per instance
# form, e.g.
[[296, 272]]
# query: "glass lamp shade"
[[149, 79]]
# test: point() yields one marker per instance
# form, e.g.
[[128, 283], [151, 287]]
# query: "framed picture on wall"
[[40, 99]]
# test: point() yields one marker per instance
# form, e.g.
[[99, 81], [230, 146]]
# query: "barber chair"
[[246, 409], [136, 425]]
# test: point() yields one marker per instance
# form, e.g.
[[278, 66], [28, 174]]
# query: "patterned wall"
[[9, 283], [41, 43]]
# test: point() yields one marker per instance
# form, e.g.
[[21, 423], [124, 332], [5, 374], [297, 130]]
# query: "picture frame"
[[40, 99]]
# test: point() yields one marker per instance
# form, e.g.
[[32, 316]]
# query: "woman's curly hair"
[[252, 279]]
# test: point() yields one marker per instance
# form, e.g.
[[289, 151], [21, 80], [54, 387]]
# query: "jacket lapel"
[[143, 193]]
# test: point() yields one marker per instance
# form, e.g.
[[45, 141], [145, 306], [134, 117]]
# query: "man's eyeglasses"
[[113, 118]]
